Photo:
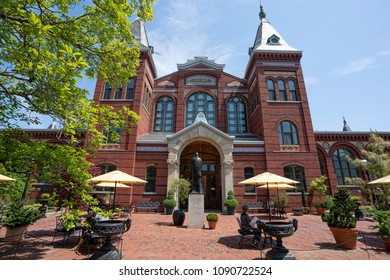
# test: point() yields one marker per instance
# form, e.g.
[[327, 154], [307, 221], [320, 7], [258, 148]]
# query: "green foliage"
[[18, 214], [212, 217], [230, 201], [69, 221], [45, 196], [47, 46], [383, 219], [170, 201], [282, 199], [341, 213], [181, 187], [318, 186]]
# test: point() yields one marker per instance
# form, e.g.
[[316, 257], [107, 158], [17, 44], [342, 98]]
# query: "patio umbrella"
[[268, 178], [383, 181], [6, 179], [116, 177]]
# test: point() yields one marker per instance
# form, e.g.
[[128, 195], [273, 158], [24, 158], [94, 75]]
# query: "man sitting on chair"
[[249, 225]]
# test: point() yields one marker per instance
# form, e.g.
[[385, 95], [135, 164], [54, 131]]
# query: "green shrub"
[[19, 214], [212, 217]]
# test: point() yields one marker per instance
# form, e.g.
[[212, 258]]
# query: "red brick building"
[[240, 126]]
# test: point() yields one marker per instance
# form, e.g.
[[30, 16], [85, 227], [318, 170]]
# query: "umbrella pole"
[[113, 201], [269, 204]]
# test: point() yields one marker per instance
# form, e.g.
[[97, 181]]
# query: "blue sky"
[[345, 44]]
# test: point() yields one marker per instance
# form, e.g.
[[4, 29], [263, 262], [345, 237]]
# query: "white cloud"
[[184, 30], [355, 67], [311, 80]]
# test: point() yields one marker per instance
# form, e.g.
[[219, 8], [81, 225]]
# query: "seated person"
[[248, 224]]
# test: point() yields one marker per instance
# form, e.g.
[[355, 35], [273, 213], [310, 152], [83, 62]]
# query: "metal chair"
[[66, 233], [243, 233]]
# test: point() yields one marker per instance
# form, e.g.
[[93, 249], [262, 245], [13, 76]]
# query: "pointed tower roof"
[[268, 38], [139, 33], [346, 126]]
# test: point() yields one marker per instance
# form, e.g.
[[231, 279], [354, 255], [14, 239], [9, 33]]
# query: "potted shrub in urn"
[[17, 218], [170, 202], [180, 187], [318, 186], [212, 219], [383, 219], [231, 203], [341, 219]]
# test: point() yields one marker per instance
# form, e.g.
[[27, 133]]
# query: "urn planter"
[[15, 234], [178, 217], [345, 238]]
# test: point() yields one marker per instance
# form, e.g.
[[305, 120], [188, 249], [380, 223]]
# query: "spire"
[[346, 126], [268, 38], [262, 13]]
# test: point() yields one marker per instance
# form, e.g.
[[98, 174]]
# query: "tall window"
[[271, 90], [293, 91], [236, 116], [287, 133], [151, 178], [130, 89], [342, 167], [109, 136], [107, 167], [164, 117], [118, 92], [200, 102], [107, 91], [296, 173], [282, 90], [248, 173]]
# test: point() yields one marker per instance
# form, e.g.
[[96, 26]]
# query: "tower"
[[279, 109]]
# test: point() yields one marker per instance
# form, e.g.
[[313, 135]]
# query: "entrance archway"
[[211, 171]]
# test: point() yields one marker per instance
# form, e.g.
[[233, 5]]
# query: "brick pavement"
[[154, 237]]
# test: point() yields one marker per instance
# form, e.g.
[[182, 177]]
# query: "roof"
[[268, 38], [139, 33]]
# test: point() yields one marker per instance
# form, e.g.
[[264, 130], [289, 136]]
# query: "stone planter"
[[345, 237], [386, 241], [15, 234], [297, 213], [231, 210]]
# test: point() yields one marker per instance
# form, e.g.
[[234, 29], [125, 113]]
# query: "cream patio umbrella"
[[381, 181], [118, 185], [116, 177], [6, 179], [267, 179]]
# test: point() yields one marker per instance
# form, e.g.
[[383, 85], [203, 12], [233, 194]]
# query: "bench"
[[148, 205], [255, 206]]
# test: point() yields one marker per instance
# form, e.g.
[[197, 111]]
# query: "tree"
[[376, 164], [47, 45]]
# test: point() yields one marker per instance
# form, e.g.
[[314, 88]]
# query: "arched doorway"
[[211, 171]]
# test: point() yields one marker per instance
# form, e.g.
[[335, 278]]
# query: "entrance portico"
[[216, 150]]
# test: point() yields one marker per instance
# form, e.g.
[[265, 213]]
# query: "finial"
[[262, 13]]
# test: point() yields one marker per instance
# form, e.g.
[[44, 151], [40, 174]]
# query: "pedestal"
[[195, 210]]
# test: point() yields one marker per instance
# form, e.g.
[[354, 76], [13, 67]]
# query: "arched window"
[[249, 172], [287, 133], [282, 90], [109, 137], [151, 178], [342, 167], [293, 91], [271, 90], [200, 102], [164, 116], [236, 116], [107, 91], [296, 173]]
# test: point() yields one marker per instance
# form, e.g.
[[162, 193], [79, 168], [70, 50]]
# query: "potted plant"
[[297, 211], [319, 187], [181, 188], [231, 203], [341, 219], [383, 219], [358, 211], [212, 219], [44, 200], [170, 202], [305, 204], [17, 218]]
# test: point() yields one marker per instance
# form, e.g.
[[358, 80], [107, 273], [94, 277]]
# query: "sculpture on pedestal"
[[196, 164]]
